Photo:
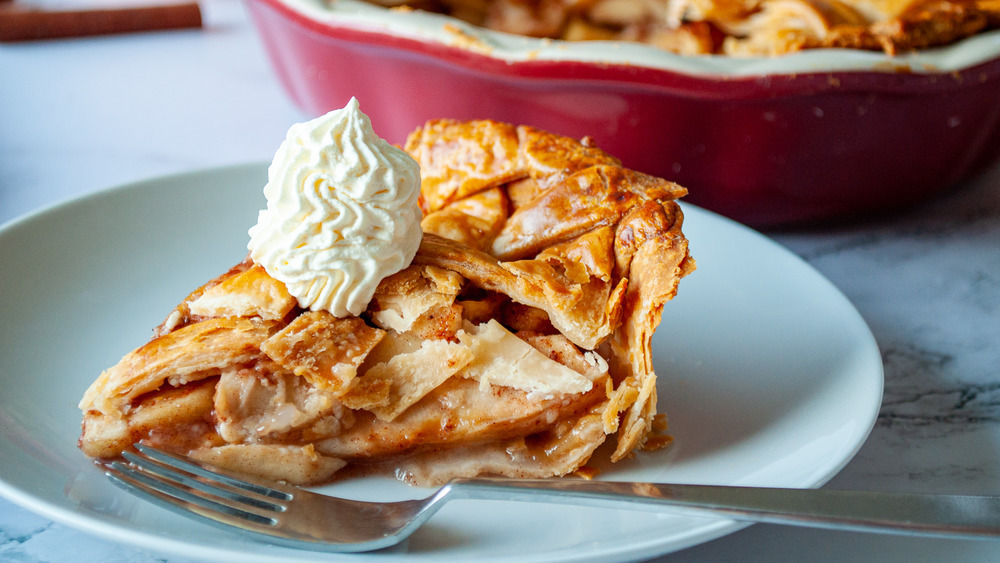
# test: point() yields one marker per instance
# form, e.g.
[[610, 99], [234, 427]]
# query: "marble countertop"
[[81, 115]]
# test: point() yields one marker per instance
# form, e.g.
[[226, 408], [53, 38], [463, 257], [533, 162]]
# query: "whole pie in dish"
[[515, 342], [732, 27]]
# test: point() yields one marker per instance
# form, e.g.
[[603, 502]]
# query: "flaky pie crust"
[[515, 344]]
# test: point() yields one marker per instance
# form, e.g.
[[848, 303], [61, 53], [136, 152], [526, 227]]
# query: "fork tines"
[[188, 487]]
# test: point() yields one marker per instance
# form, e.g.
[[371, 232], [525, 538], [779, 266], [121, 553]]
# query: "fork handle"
[[902, 513]]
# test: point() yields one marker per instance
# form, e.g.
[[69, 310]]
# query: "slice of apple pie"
[[515, 341]]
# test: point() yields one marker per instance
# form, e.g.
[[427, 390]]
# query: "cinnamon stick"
[[23, 22]]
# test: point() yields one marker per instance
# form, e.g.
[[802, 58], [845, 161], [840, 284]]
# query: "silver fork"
[[298, 518]]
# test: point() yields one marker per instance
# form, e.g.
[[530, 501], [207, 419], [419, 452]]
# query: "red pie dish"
[[803, 138]]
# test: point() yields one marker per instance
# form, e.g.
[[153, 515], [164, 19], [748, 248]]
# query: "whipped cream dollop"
[[342, 212]]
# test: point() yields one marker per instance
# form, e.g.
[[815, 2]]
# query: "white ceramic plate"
[[769, 375]]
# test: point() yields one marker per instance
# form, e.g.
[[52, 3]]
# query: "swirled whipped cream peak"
[[341, 215]]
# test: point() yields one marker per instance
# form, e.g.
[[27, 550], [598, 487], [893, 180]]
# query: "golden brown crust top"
[[323, 349], [245, 294], [562, 187], [592, 197], [458, 159], [461, 158], [191, 353]]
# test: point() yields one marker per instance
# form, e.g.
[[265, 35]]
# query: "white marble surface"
[[81, 115]]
